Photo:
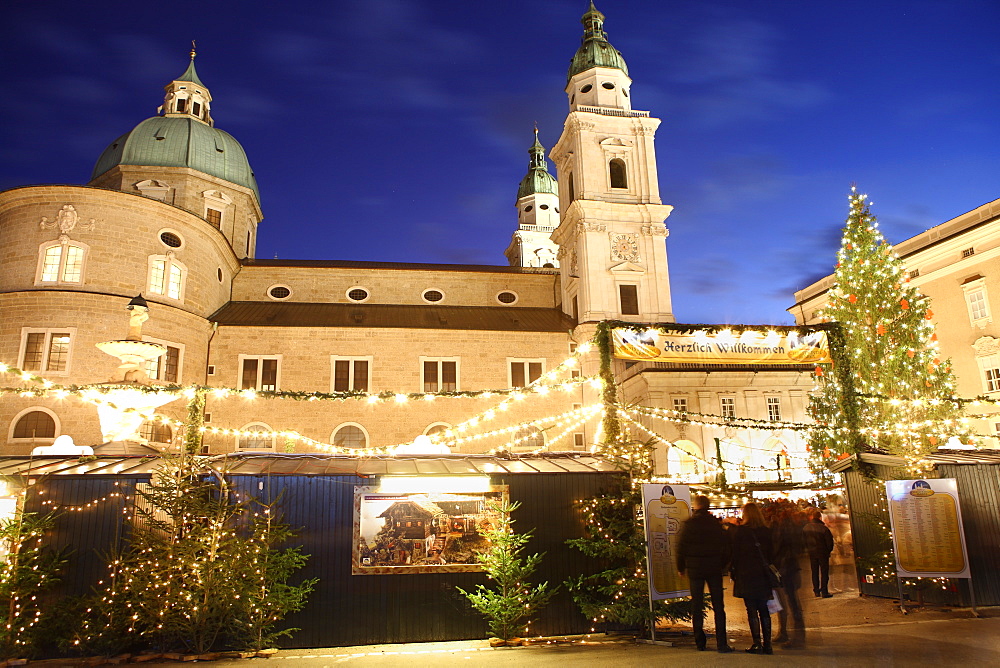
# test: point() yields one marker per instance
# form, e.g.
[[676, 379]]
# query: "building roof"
[[319, 464], [190, 74], [310, 314], [941, 456], [419, 266], [180, 142], [595, 51]]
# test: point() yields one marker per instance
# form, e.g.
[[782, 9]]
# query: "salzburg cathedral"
[[151, 274]]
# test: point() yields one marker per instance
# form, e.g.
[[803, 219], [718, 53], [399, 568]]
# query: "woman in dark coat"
[[751, 579]]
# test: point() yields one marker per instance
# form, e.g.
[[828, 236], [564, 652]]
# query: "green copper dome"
[[538, 179], [164, 141], [595, 50]]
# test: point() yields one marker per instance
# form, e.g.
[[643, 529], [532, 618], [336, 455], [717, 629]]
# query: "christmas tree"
[[510, 605], [889, 388]]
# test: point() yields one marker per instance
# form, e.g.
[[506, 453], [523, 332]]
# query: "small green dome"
[[164, 141], [538, 179], [595, 50]]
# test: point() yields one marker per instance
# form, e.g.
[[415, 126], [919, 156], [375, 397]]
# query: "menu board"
[[927, 528], [665, 507]]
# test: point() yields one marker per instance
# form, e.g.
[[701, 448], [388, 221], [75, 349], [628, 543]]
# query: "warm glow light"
[[459, 484]]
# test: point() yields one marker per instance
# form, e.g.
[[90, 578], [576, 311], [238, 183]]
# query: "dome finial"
[[595, 50], [194, 52]]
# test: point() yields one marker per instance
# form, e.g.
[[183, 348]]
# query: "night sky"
[[397, 130]]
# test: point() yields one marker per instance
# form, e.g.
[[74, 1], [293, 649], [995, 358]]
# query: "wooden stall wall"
[[348, 609], [979, 495]]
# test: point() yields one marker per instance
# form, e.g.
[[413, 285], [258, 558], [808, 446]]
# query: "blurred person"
[[819, 545], [751, 573], [703, 553], [788, 544]]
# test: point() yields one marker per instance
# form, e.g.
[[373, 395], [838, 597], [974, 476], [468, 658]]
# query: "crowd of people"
[[761, 552]]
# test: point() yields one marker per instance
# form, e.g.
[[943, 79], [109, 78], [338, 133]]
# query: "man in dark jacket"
[[703, 553], [819, 544]]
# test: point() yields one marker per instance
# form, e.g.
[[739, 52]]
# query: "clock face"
[[624, 247]]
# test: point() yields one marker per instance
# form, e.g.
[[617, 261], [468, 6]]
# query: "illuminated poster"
[[779, 346], [927, 528], [433, 532], [665, 507]]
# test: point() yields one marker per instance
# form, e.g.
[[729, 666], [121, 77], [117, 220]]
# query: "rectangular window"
[[259, 373], [350, 373], [181, 104], [45, 350], [977, 304], [576, 309], [681, 404], [578, 442], [165, 368], [524, 372], [991, 372], [165, 278], [728, 407], [214, 216], [50, 265], [440, 374], [629, 295], [774, 409]]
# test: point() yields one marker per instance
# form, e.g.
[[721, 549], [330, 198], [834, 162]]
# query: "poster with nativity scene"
[[426, 532]]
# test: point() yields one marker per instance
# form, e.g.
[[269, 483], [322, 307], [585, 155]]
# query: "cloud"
[[728, 76]]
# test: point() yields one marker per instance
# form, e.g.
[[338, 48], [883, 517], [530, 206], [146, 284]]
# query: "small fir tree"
[[891, 379], [510, 605], [27, 571], [192, 577]]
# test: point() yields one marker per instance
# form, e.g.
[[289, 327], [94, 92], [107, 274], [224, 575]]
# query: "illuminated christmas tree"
[[893, 393]]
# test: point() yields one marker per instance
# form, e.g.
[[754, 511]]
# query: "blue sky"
[[397, 130]]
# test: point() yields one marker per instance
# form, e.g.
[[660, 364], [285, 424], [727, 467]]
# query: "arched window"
[[529, 437], [350, 436], [617, 170], [437, 428], [61, 262], [166, 276], [34, 424], [571, 189], [155, 432], [259, 437]]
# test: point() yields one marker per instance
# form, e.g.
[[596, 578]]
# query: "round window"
[[586, 89], [220, 274], [357, 294], [506, 297], [433, 295], [557, 209], [543, 206], [625, 92], [171, 239], [528, 208], [279, 292], [608, 85]]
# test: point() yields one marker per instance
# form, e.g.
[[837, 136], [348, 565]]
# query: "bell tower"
[[537, 215], [611, 234]]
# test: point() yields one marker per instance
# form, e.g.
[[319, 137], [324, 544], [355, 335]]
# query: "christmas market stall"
[[387, 538], [974, 510]]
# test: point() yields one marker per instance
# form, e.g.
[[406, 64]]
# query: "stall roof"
[[317, 464], [947, 456]]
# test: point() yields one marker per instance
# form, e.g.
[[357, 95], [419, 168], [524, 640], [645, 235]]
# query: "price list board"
[[927, 528]]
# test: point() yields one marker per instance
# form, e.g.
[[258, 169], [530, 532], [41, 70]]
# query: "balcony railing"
[[604, 111]]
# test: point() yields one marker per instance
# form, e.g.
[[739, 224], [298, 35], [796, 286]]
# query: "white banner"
[[927, 528], [665, 507]]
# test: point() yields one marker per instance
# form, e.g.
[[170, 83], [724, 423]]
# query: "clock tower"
[[611, 234]]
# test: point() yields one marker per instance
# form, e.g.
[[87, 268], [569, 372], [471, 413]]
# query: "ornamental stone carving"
[[591, 227], [654, 230], [624, 247], [66, 220], [986, 345]]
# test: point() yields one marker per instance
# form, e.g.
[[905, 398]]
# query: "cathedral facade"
[[171, 212]]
